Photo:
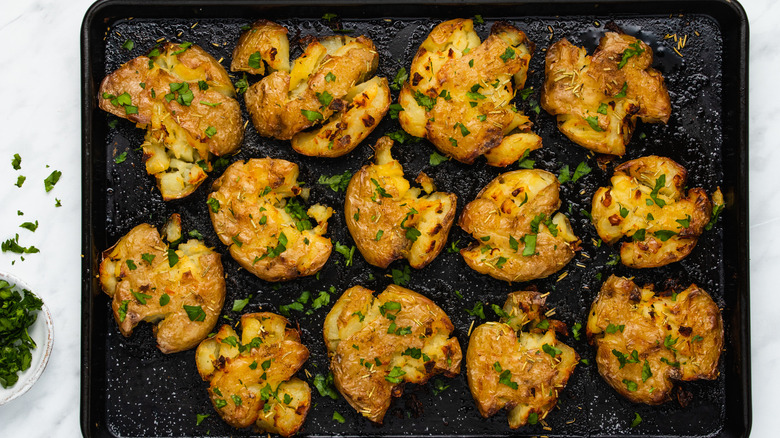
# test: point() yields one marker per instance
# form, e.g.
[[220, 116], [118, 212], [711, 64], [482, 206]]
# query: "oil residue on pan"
[[151, 394]]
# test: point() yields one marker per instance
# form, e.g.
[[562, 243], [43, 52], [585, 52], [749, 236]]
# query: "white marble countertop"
[[40, 119]]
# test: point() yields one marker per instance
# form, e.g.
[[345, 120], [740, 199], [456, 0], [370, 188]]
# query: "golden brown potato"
[[264, 43], [363, 108], [518, 236], [330, 85], [646, 340], [459, 93], [185, 100], [377, 343], [254, 211], [180, 291], [389, 219], [518, 364], [251, 376], [598, 98], [646, 203]]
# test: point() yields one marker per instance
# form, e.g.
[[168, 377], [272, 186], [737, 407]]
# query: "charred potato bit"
[[518, 364], [186, 102], [646, 340], [251, 376], [389, 219], [518, 236], [180, 291], [254, 209], [459, 93], [378, 343], [329, 86], [598, 98], [646, 203]]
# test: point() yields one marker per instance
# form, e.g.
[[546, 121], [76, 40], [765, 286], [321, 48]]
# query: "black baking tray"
[[129, 388]]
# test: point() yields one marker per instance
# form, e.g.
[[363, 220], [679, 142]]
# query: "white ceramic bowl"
[[42, 332]]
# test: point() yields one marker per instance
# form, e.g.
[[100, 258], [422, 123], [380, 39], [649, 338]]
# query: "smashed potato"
[[251, 376], [185, 100], [459, 93], [598, 98], [329, 86], [390, 220], [647, 202], [518, 236], [646, 340], [269, 233], [518, 364], [378, 343], [180, 291]]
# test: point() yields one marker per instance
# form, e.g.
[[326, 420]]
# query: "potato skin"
[[461, 102], [673, 335], [371, 340], [500, 217], [327, 85], [516, 344], [381, 207], [264, 38], [682, 215], [137, 287], [578, 86], [363, 109], [250, 375], [179, 136], [256, 213]]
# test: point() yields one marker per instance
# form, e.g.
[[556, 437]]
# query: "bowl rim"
[[28, 377]]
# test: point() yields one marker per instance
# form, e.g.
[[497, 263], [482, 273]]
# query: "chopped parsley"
[[664, 235], [345, 251], [505, 378], [593, 121], [213, 203], [400, 77], [637, 420], [530, 245], [17, 314], [121, 158], [255, 60], [128, 45], [401, 277], [424, 101], [437, 158], [195, 313], [395, 375], [551, 350], [634, 49], [402, 137], [622, 92], [16, 162], [338, 417], [51, 180], [173, 258], [395, 109], [324, 98], [509, 53], [30, 226], [477, 310], [312, 116], [575, 330]]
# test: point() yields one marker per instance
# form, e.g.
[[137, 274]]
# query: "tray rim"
[[99, 11]]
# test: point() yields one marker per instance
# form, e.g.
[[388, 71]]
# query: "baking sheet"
[[129, 388]]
